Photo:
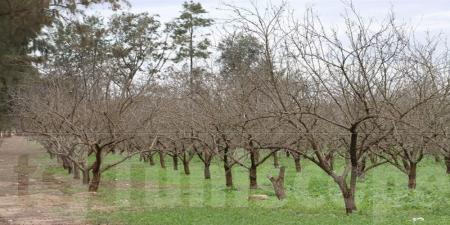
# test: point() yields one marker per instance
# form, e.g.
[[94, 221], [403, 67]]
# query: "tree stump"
[[278, 184]]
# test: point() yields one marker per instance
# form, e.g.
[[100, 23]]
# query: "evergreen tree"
[[20, 23], [189, 42]]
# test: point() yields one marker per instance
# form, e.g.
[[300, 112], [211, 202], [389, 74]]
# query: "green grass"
[[136, 193]]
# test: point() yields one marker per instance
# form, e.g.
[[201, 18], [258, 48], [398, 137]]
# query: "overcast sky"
[[424, 15]]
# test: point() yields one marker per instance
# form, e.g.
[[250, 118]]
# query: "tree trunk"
[[227, 169], [298, 165], [151, 160], [349, 197], [187, 171], [276, 162], [175, 162], [207, 172], [349, 192], [95, 182], [86, 178], [447, 163], [67, 164], [76, 172], [278, 184], [161, 159], [349, 200], [96, 172], [85, 174], [412, 173], [228, 177], [253, 175]]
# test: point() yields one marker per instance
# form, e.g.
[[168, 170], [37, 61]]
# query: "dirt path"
[[30, 194]]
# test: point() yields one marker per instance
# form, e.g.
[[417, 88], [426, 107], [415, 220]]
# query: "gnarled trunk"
[[347, 194], [412, 173], [96, 172]]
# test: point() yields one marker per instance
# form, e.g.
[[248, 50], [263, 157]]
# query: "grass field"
[[136, 193]]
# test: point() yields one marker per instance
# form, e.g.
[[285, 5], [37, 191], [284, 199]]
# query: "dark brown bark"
[[253, 175], [227, 169], [187, 171], [162, 163], [96, 172], [447, 164], [349, 192], [175, 162], [276, 162], [298, 165], [228, 177], [412, 173], [278, 184], [207, 172]]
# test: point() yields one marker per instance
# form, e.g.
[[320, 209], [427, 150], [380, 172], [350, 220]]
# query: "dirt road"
[[30, 193]]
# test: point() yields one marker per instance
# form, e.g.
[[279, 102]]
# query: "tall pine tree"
[[189, 42]]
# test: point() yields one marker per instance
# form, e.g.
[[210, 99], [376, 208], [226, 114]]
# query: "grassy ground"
[[136, 193]]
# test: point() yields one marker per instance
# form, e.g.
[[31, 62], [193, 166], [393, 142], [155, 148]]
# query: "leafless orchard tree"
[[415, 112]]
